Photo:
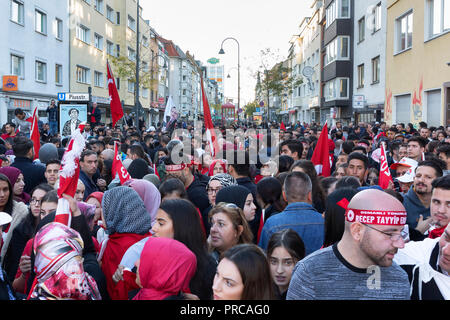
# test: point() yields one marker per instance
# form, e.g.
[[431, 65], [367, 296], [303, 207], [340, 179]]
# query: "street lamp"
[[238, 67], [136, 98]]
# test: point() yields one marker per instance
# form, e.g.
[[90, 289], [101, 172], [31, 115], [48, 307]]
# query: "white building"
[[369, 58], [34, 45]]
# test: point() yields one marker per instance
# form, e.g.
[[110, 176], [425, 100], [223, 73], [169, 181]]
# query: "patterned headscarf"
[[125, 212], [148, 193], [59, 266], [225, 180]]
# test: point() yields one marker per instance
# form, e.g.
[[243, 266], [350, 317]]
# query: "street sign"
[[358, 101], [69, 96]]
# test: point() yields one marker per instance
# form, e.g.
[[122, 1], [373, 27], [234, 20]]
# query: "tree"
[[250, 108], [275, 81]]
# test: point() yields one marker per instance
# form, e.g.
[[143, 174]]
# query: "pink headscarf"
[[148, 193], [13, 173], [59, 266], [213, 164], [166, 268]]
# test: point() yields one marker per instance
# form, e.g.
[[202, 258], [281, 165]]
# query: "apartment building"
[[33, 50], [418, 62]]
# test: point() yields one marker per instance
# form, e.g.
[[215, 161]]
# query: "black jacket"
[[33, 173], [197, 194]]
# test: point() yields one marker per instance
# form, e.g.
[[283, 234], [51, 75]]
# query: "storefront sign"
[[23, 104], [73, 96], [10, 83]]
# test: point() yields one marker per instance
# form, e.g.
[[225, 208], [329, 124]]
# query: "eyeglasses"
[[35, 201], [404, 234], [210, 190]]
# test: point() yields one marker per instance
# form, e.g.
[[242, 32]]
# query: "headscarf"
[[225, 180], [233, 194], [166, 268], [213, 164], [13, 174], [59, 266], [88, 211], [153, 178], [149, 194], [125, 212]]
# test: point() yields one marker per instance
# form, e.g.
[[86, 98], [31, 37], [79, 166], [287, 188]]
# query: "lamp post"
[[238, 67]]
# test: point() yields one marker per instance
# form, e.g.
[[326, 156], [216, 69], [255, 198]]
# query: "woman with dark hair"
[[228, 228], [177, 219], [348, 182], [284, 250], [268, 196], [306, 166], [17, 210], [284, 163], [243, 274], [328, 184], [172, 188], [335, 214], [25, 230]]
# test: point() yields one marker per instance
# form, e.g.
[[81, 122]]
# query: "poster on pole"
[[70, 117]]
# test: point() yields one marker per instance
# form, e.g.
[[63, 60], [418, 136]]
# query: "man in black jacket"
[[33, 173]]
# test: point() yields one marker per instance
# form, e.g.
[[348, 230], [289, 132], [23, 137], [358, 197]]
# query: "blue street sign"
[[61, 96]]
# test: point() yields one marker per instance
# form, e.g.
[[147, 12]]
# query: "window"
[[99, 6], [110, 14], [98, 79], [404, 30], [130, 86], [41, 71], [118, 17], [118, 83], [336, 89], [83, 34], [109, 48], [376, 70], [338, 49], [438, 17], [145, 66], [131, 23], [145, 92], [98, 40], [41, 22], [131, 54], [361, 29], [377, 17], [59, 29], [17, 65], [83, 75], [58, 74], [361, 76], [338, 9], [17, 11], [118, 50], [144, 41]]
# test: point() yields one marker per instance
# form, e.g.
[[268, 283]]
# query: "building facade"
[[33, 47], [369, 62], [418, 62]]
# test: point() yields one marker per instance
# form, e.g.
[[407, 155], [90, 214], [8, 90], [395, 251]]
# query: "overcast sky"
[[200, 26]]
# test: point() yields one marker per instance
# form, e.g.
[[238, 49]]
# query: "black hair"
[[21, 146], [288, 239], [420, 140], [437, 164], [53, 161], [269, 189], [444, 148], [294, 146], [334, 224], [347, 146], [242, 169], [359, 156], [326, 183], [8, 208], [173, 185], [284, 163], [87, 153], [348, 181], [441, 183]]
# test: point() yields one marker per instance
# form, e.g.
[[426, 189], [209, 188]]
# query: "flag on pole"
[[69, 175], [34, 135], [115, 104], [118, 168], [320, 157], [385, 174], [210, 132]]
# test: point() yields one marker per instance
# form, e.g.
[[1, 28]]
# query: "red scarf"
[[436, 233], [116, 247]]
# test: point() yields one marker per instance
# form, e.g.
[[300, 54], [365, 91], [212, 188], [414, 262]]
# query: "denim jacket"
[[300, 217]]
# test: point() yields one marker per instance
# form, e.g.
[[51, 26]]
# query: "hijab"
[[125, 212], [13, 174], [213, 164], [149, 194], [225, 180], [59, 266], [233, 194], [166, 268]]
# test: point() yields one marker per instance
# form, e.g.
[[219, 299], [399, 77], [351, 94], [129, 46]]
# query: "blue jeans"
[[53, 127]]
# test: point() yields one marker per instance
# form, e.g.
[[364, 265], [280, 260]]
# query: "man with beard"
[[417, 200], [360, 265], [427, 262]]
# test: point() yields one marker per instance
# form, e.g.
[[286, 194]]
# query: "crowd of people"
[[225, 227]]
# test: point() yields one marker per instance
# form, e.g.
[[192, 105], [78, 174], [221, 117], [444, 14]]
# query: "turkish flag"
[[210, 132], [282, 126], [34, 135], [385, 174], [116, 105], [118, 168], [320, 157]]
